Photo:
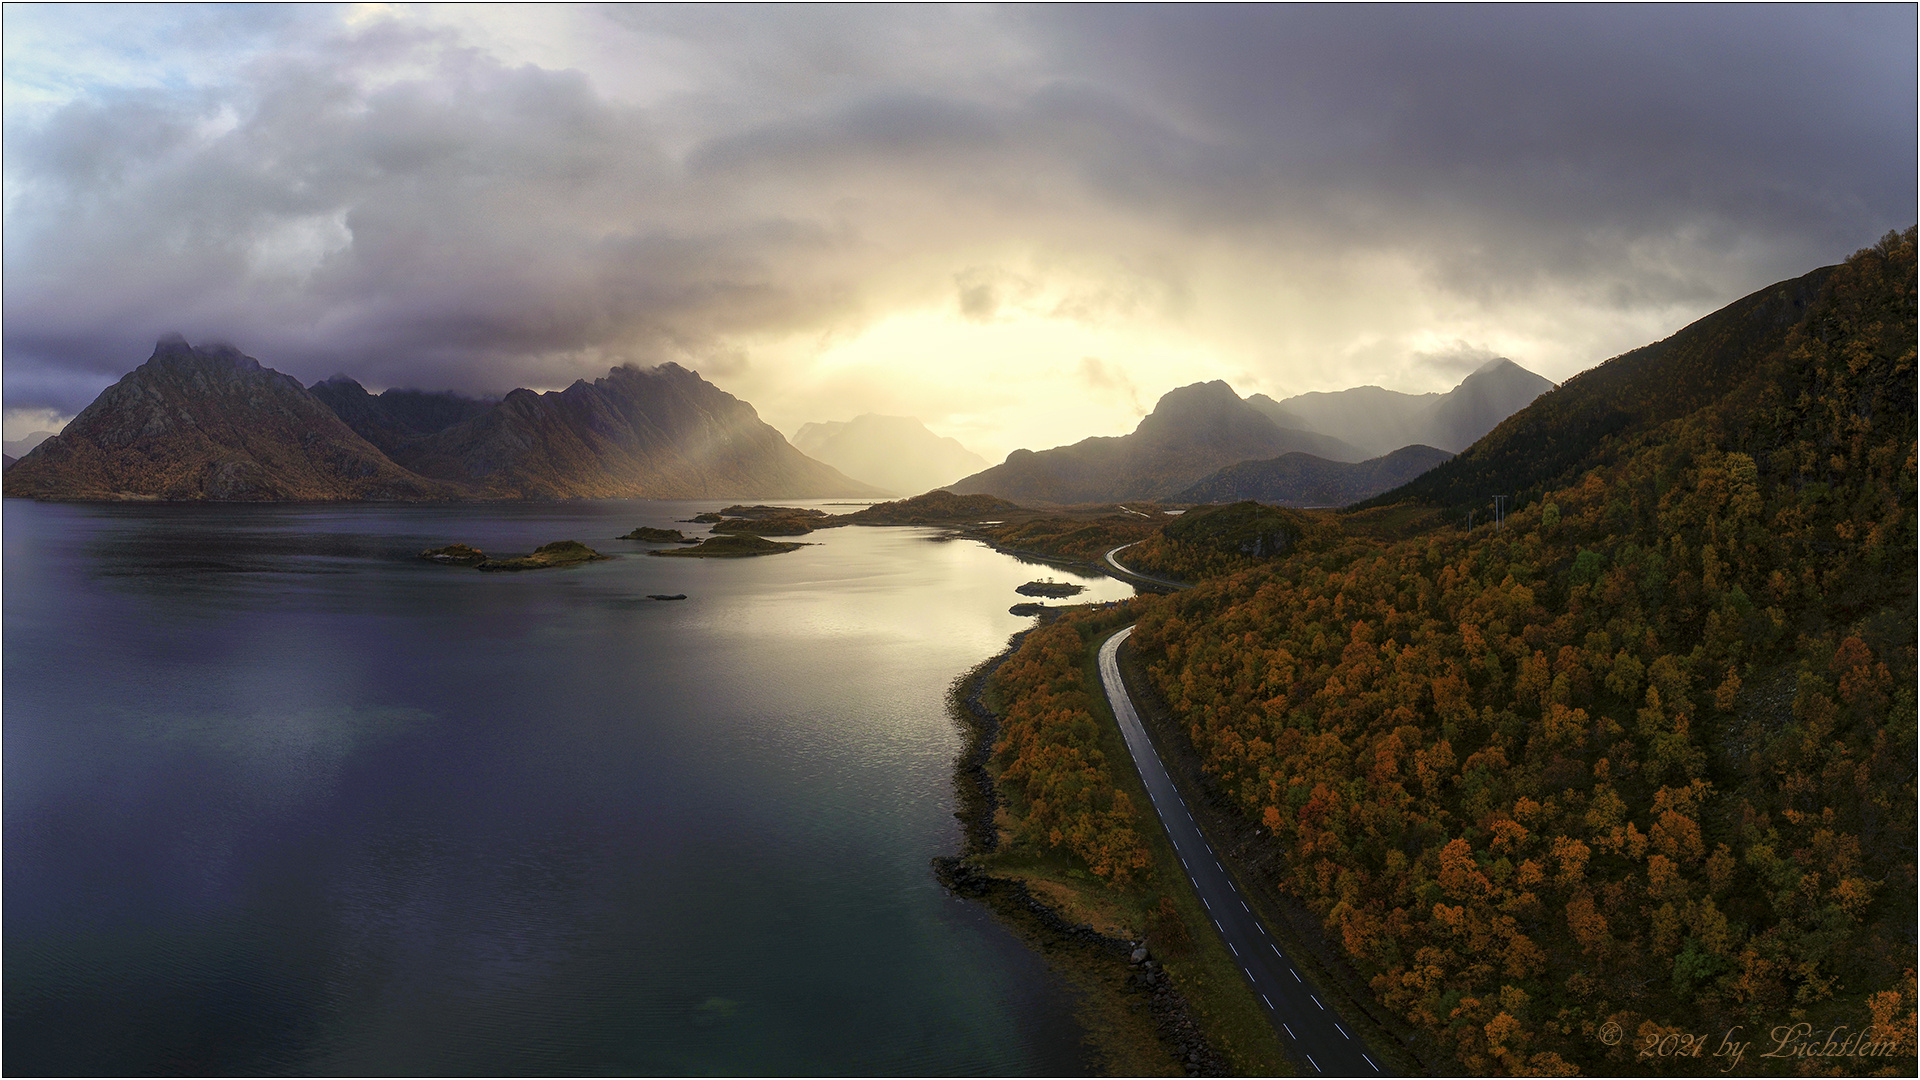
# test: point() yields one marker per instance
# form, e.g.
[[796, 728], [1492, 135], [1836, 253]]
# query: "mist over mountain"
[[395, 419], [1379, 420], [896, 453], [19, 448], [1303, 480], [656, 433], [211, 423], [1192, 432]]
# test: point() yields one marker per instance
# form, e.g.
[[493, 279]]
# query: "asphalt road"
[[1313, 1035], [1111, 561]]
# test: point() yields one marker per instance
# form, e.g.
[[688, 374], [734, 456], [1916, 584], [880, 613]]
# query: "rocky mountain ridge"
[[211, 423]]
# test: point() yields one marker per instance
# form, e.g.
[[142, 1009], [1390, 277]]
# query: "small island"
[[1055, 589], [648, 535], [547, 556], [731, 546]]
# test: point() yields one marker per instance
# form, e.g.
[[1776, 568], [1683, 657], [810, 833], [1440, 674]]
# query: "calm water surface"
[[281, 798]]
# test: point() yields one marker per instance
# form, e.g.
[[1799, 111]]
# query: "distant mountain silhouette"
[[1303, 480], [211, 423], [19, 448], [659, 433], [395, 418], [897, 453], [1192, 432], [1380, 421], [1597, 412]]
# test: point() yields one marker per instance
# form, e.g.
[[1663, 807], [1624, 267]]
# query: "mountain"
[[211, 423], [395, 418], [1305, 480], [897, 453], [1192, 432], [1592, 415], [659, 433], [1615, 739], [1379, 420], [19, 448]]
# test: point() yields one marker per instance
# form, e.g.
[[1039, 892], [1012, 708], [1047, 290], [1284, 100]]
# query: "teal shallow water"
[[281, 798]]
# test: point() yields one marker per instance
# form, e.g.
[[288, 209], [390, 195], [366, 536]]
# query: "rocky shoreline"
[[1122, 968]]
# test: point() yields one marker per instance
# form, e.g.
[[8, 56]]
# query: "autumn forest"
[[1642, 756]]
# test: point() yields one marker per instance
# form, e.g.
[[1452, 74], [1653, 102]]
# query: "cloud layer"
[[942, 212]]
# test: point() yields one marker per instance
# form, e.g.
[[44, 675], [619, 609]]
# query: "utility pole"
[[1499, 511]]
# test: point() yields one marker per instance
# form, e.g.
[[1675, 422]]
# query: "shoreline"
[[1134, 1022]]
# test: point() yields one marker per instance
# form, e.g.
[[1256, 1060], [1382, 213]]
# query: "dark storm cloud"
[[398, 203]]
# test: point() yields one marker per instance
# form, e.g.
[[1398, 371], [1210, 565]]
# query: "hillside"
[[395, 419], [1192, 432], [1305, 480], [661, 433], [894, 453], [1379, 421], [1592, 416], [1642, 758], [209, 423]]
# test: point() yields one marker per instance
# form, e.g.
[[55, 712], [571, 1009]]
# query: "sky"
[[1020, 224]]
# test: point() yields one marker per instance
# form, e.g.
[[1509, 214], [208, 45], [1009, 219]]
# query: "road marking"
[[1263, 931], [1376, 1068], [1316, 1001], [1203, 900], [1276, 949], [1343, 1032], [1245, 908], [1290, 1033], [1315, 1064], [1236, 952], [1263, 997], [1295, 974]]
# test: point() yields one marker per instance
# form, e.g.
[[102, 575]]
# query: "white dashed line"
[[1376, 1068], [1263, 997], [1295, 974], [1245, 908], [1275, 948], [1315, 1064], [1290, 1033], [1343, 1032], [1316, 1001], [1236, 952]]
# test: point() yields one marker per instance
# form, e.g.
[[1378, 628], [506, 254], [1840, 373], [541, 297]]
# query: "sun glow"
[[996, 385]]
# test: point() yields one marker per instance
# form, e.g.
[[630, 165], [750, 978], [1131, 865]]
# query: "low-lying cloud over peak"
[[935, 212]]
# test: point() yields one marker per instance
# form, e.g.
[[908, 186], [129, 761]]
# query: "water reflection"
[[280, 797]]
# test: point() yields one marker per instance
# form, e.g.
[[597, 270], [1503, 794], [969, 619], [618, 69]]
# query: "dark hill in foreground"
[[1306, 480], [1644, 754]]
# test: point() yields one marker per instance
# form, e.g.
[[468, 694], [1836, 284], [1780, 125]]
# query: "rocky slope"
[[662, 433], [395, 419], [210, 423], [1192, 432]]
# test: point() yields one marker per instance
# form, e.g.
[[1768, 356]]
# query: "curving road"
[[1311, 1032], [1115, 563]]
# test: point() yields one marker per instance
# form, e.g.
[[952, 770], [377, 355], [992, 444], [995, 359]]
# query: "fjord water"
[[281, 798]]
